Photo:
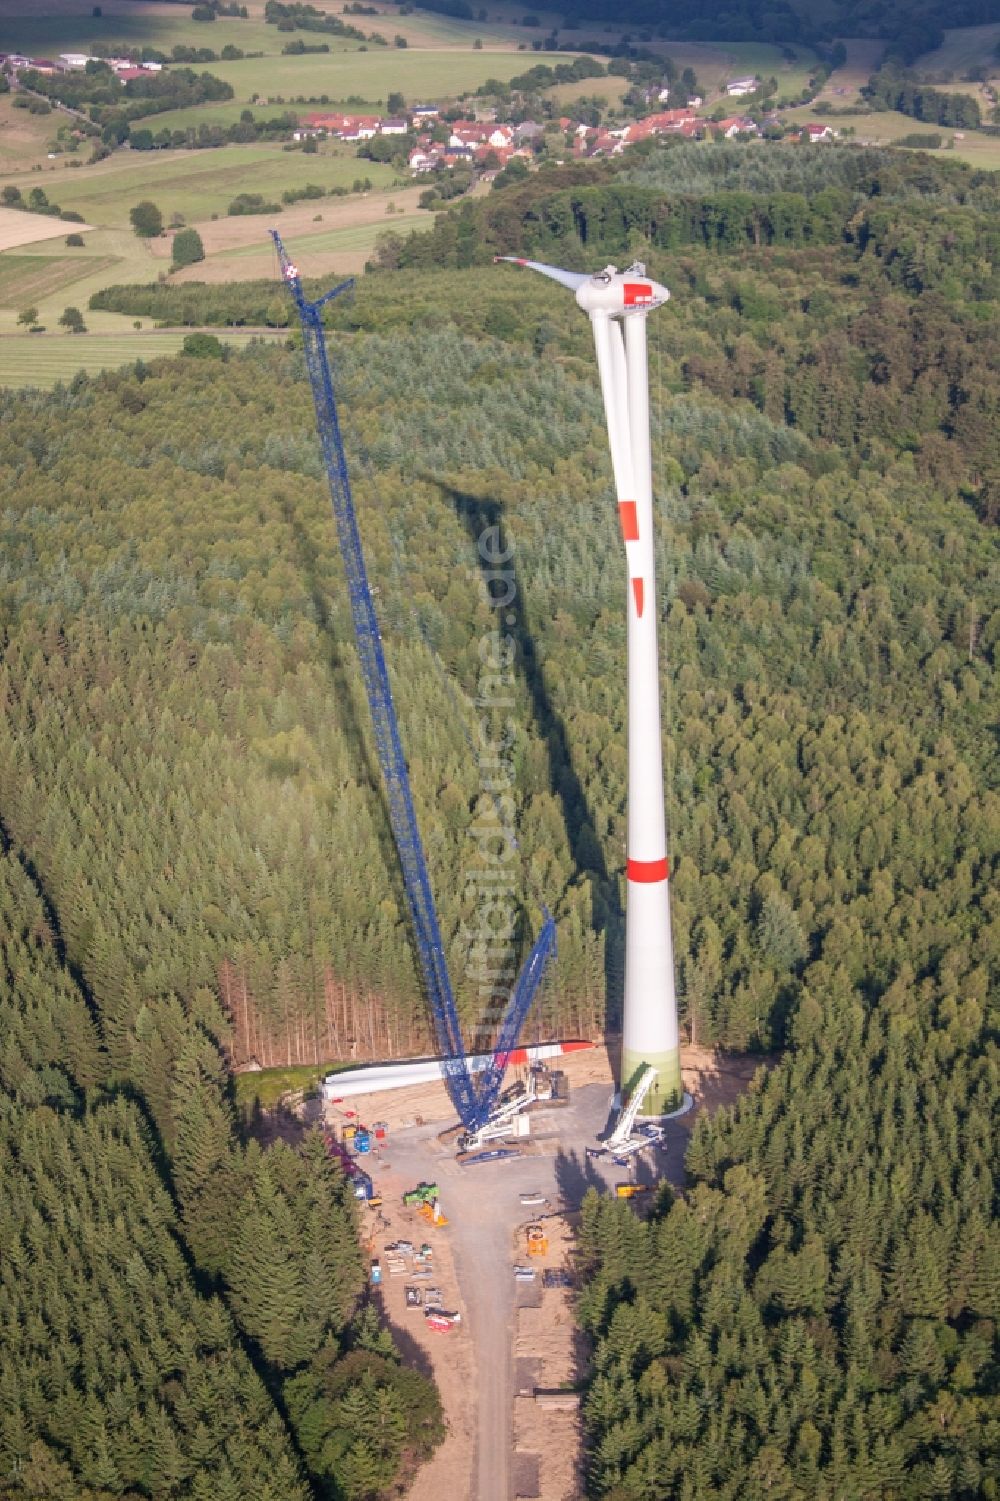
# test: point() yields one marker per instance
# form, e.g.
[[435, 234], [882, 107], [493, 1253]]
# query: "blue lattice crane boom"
[[472, 1104]]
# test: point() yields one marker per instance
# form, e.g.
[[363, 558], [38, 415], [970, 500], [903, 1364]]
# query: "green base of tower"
[[667, 1092]]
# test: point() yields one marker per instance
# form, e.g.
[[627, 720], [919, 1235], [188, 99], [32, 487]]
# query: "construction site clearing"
[[474, 1270]]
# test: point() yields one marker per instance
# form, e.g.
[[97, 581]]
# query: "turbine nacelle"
[[620, 292], [612, 292]]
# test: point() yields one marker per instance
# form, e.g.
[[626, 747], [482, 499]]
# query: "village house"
[[736, 125], [663, 123], [347, 127], [737, 87], [471, 133]]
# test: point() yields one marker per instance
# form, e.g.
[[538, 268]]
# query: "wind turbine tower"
[[618, 304]]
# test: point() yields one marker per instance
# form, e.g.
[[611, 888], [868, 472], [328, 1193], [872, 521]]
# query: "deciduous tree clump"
[[187, 248], [146, 220]]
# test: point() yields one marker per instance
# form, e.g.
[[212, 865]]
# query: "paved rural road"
[[484, 1212]]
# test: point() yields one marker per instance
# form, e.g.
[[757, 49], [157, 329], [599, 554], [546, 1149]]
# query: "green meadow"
[[43, 359], [198, 184]]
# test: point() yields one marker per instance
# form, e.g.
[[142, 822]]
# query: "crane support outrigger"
[[474, 1104]]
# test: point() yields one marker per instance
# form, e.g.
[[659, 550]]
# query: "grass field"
[[844, 86], [24, 138], [50, 277], [962, 49], [30, 280], [68, 25], [198, 184], [215, 114], [43, 359], [887, 127], [768, 61], [334, 251], [417, 74], [48, 26], [350, 237]]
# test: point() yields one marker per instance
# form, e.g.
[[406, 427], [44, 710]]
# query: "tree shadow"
[[574, 1175], [413, 1353], [478, 513]]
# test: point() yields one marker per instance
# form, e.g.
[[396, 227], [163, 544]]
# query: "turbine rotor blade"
[[570, 279]]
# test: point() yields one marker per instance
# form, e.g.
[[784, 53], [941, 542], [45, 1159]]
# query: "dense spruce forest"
[[197, 867], [124, 1373]]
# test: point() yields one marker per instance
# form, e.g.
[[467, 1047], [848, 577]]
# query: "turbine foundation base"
[[667, 1092]]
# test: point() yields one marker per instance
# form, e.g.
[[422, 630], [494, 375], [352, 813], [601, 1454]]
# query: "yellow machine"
[[433, 1213], [630, 1190], [538, 1241]]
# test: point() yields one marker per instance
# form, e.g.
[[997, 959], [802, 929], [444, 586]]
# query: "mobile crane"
[[474, 1097]]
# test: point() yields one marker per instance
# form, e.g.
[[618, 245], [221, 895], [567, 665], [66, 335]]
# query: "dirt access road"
[[474, 1255]]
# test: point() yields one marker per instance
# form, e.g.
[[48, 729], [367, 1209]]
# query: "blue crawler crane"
[[473, 1102]]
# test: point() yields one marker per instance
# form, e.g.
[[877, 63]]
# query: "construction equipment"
[[537, 1240], [631, 1190], [433, 1213], [627, 1139], [442, 1313], [508, 1118], [473, 1103], [424, 1193], [362, 1184], [551, 1085], [556, 1276]]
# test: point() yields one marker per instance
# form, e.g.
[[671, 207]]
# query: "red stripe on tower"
[[629, 520], [638, 591], [637, 293], [648, 870]]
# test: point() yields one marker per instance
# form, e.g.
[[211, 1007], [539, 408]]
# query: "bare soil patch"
[[18, 228], [549, 1341], [711, 1077], [448, 1357]]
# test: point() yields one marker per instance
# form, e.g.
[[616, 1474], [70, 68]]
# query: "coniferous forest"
[[197, 869]]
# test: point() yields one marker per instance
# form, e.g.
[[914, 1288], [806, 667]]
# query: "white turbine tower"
[[617, 303]]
